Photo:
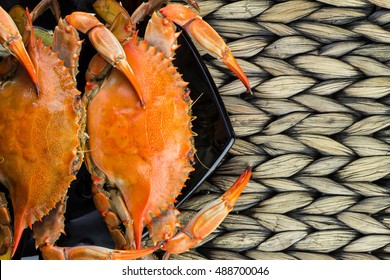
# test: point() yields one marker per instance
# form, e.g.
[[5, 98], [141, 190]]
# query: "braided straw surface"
[[316, 131]]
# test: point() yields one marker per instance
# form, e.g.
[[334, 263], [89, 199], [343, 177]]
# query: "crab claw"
[[111, 50], [10, 38], [106, 44], [93, 253], [206, 36], [207, 219]]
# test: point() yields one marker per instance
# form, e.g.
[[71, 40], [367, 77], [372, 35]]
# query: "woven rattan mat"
[[316, 131]]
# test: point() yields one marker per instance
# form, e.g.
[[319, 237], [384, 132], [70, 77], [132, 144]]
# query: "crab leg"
[[161, 33], [113, 218], [106, 44], [206, 36], [116, 17], [93, 253], [196, 230], [147, 8], [208, 219], [10, 38], [47, 231], [43, 6]]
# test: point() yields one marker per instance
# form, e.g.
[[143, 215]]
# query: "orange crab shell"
[[39, 136], [145, 153]]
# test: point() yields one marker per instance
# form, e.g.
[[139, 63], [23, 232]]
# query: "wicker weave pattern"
[[316, 130]]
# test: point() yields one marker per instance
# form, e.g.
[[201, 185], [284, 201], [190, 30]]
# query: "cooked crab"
[[40, 112]]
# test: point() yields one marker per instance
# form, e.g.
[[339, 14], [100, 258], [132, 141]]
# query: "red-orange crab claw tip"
[[17, 48], [232, 194], [233, 65], [125, 68]]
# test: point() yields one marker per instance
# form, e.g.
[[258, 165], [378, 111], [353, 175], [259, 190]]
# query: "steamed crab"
[[136, 135], [40, 110]]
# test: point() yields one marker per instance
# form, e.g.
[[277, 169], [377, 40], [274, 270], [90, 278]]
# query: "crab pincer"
[[106, 44], [11, 39], [207, 219], [206, 36]]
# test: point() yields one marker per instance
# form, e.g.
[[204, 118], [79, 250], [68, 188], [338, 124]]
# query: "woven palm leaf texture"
[[316, 130]]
